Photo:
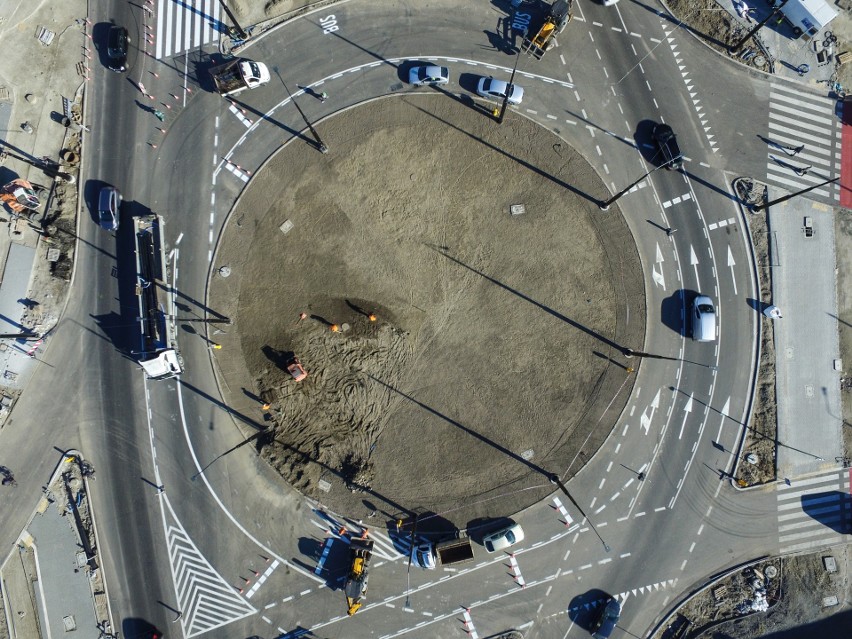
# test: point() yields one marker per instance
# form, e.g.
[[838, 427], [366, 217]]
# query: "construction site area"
[[458, 309]]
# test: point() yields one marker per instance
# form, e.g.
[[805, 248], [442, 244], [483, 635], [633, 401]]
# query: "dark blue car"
[[606, 622]]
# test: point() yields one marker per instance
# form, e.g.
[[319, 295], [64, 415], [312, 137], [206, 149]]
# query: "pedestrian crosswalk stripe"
[[810, 118], [812, 102], [813, 512], [797, 185], [809, 481], [800, 135], [779, 137], [808, 491], [185, 25], [813, 177], [799, 122]]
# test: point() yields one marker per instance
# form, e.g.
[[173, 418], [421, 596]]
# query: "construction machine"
[[556, 20], [19, 195], [361, 550]]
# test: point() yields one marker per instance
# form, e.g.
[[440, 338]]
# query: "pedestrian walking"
[[323, 96]]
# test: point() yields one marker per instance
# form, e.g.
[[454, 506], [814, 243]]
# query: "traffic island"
[[452, 292]]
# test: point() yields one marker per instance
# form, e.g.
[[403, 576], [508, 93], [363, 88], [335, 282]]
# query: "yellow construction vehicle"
[[19, 195], [559, 16], [361, 551]]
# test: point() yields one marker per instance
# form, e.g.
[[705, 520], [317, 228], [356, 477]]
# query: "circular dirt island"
[[454, 294]]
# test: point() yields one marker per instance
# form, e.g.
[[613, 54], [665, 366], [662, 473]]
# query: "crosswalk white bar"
[[822, 523], [813, 178], [808, 491], [774, 126], [159, 43], [796, 185], [826, 131], [817, 543], [814, 502], [832, 477], [778, 137], [829, 122], [179, 11], [170, 6], [815, 103], [811, 513]]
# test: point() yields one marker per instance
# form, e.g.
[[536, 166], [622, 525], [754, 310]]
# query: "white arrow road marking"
[[659, 254], [724, 412], [731, 263], [658, 278], [693, 259], [645, 420], [686, 411]]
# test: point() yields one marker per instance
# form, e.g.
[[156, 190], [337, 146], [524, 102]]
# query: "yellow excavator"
[[361, 551], [559, 16]]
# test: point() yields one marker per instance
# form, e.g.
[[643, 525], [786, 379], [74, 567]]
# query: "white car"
[[424, 556], [422, 76], [491, 88], [703, 319], [503, 538]]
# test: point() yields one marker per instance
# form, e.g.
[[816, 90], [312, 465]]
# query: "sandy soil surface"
[[487, 365], [796, 597]]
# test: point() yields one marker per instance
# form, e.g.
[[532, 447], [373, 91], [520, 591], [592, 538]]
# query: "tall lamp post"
[[510, 86], [759, 26], [629, 352], [760, 207], [237, 28], [605, 205]]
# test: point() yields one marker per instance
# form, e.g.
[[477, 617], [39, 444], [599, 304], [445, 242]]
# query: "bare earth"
[[486, 366]]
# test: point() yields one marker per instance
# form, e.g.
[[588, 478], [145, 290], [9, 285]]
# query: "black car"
[[667, 141], [606, 622], [117, 42]]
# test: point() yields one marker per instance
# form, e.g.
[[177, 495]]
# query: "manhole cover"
[[518, 209], [286, 227], [323, 485], [760, 61], [69, 623], [809, 390]]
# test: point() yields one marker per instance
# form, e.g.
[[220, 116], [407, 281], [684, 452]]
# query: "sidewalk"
[[33, 279], [806, 337]]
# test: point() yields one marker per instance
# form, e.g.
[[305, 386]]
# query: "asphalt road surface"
[[235, 551]]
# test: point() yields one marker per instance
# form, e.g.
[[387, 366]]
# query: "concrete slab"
[[806, 337], [63, 586]]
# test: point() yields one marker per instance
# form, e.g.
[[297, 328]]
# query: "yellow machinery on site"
[[543, 40], [361, 550]]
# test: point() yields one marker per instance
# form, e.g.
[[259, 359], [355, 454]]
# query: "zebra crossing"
[[186, 24], [803, 144], [205, 599], [814, 512]]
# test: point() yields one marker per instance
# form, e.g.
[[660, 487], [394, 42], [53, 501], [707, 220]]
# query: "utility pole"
[[759, 26], [760, 207], [510, 85], [241, 34], [49, 168], [554, 479]]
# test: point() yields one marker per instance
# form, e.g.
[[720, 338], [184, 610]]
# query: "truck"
[[360, 552], [238, 75], [558, 17], [807, 17], [159, 357]]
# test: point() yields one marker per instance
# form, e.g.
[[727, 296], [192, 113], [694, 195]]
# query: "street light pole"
[[759, 26], [605, 205], [510, 85], [760, 207], [240, 32], [554, 479]]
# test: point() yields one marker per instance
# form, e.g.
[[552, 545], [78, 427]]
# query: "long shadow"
[[623, 140], [469, 431], [588, 331], [829, 509], [710, 186], [524, 163], [583, 609], [673, 310], [266, 437], [696, 399], [837, 625], [844, 322], [24, 155], [271, 120]]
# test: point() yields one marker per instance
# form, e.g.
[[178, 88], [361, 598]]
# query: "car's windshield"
[[705, 308]]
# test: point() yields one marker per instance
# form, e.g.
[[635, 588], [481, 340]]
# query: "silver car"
[[503, 538], [424, 556], [109, 203], [703, 319], [422, 76], [491, 88]]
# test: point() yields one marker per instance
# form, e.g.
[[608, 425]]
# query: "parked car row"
[[487, 87]]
